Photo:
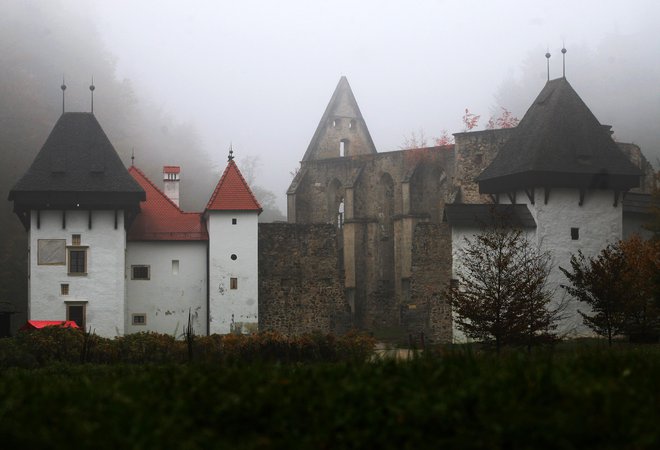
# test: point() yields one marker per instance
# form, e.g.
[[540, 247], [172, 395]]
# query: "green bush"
[[66, 345]]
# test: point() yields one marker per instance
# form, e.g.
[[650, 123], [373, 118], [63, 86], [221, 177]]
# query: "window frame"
[[136, 315], [78, 249], [575, 233], [140, 266], [233, 283]]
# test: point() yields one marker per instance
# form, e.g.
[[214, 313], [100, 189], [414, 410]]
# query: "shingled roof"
[[483, 215], [77, 167], [232, 192], [160, 219], [559, 143]]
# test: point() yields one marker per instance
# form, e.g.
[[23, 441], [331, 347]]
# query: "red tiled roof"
[[232, 192], [37, 324], [160, 219]]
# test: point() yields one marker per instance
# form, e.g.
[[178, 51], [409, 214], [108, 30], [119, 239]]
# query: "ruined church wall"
[[300, 284], [474, 151], [428, 310]]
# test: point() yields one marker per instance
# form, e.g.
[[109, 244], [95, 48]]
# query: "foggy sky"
[[259, 74]]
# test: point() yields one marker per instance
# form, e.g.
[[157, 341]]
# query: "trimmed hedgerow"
[[67, 345], [590, 399]]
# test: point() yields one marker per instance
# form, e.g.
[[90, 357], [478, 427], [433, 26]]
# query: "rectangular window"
[[140, 272], [175, 267], [77, 261], [575, 234], [51, 252], [76, 313], [75, 239], [233, 221], [139, 319], [64, 289], [233, 283]]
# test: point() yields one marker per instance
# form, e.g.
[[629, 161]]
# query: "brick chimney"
[[171, 182]]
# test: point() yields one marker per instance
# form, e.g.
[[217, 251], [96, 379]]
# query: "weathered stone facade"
[[385, 214], [300, 284], [474, 152], [431, 273]]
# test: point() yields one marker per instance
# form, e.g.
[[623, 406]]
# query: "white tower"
[[76, 201], [232, 222]]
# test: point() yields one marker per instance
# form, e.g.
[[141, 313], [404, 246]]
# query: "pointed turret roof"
[[160, 219], [77, 167], [342, 107], [559, 143], [232, 192]]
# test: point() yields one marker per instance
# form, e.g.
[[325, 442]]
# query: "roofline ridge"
[[157, 188], [221, 181]]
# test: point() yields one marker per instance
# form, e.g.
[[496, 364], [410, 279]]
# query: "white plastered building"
[[562, 171], [111, 251]]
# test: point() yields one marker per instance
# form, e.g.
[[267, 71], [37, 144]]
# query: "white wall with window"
[[77, 269], [164, 280], [233, 271]]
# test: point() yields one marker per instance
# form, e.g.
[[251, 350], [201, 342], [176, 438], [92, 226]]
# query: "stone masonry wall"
[[300, 285], [428, 310], [474, 151]]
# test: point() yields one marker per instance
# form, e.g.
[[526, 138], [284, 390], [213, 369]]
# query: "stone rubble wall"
[[300, 284]]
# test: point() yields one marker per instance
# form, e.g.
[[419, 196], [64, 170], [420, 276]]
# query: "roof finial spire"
[[133, 157], [563, 59], [91, 89], [547, 57], [231, 153], [63, 87]]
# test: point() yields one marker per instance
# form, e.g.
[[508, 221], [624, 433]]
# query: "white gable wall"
[[101, 289], [176, 285], [233, 310]]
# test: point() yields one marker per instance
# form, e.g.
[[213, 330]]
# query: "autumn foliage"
[[501, 297], [621, 286]]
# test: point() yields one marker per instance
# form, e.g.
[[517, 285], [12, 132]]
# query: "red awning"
[[37, 324]]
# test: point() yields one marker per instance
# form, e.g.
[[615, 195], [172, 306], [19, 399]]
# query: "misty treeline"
[[42, 40]]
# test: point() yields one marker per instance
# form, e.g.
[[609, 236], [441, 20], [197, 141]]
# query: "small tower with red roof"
[[232, 222]]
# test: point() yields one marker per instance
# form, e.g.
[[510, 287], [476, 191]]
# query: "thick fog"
[[258, 74]]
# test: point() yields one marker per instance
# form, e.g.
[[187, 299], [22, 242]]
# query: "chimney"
[[171, 182]]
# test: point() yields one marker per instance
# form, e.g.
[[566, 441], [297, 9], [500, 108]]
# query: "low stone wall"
[[300, 284]]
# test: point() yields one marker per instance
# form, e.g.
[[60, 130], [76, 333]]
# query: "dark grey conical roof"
[[559, 143], [76, 167]]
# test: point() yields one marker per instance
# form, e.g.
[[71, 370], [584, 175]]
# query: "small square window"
[[75, 239], [64, 289], [233, 221], [233, 283], [575, 234], [139, 319], [140, 272]]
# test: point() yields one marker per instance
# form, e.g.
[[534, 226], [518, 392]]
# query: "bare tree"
[[501, 296], [414, 140]]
